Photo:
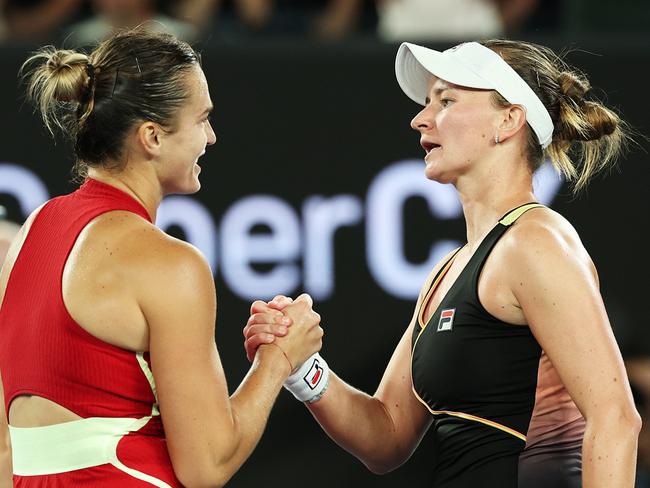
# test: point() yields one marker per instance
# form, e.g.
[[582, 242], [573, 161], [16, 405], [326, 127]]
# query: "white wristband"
[[310, 380]]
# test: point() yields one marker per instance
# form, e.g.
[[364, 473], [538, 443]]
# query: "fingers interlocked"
[[271, 322]]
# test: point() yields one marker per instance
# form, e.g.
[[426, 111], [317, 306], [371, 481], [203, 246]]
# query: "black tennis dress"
[[478, 376]]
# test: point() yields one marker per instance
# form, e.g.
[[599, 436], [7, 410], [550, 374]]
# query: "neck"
[[487, 198], [135, 180]]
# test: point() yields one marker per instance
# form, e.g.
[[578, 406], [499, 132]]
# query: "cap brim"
[[414, 66]]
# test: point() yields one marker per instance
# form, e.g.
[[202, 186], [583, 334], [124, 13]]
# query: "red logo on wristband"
[[314, 375]]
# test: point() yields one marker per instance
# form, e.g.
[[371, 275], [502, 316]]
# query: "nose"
[[423, 120], [212, 137]]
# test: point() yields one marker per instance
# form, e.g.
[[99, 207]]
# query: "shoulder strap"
[[512, 216], [475, 265]]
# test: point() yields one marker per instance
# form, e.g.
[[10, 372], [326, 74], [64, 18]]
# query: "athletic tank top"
[[478, 376], [44, 352]]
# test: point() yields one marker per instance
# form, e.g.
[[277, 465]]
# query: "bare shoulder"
[[136, 238], [152, 262], [542, 238]]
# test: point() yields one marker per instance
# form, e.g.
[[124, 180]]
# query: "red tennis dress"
[[120, 440]]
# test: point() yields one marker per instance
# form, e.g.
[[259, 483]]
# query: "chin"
[[430, 171], [193, 187], [440, 172], [438, 177], [186, 188], [193, 183]]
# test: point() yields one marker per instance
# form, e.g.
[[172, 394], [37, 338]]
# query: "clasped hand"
[[269, 323]]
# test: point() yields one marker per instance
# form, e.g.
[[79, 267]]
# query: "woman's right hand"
[[266, 322], [291, 325]]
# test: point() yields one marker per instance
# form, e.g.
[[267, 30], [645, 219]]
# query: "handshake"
[[294, 327]]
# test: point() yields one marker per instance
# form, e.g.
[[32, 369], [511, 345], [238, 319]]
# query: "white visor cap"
[[474, 66]]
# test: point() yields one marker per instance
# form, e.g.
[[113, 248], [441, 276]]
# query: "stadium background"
[[321, 130]]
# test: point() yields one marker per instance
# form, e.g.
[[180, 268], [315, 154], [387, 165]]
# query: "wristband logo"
[[446, 319], [314, 375]]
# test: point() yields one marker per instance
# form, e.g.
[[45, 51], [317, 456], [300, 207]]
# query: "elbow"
[[203, 471], [622, 420], [630, 420], [194, 476], [211, 466], [636, 423]]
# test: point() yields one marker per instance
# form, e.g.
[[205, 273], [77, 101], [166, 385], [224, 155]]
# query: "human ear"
[[149, 136], [512, 120]]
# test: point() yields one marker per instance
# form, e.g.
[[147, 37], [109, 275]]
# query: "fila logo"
[[446, 320], [314, 375]]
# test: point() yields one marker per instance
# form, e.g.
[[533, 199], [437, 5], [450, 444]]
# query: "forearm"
[[609, 453], [360, 424], [252, 402]]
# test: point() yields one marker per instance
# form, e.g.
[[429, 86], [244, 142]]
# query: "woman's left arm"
[[555, 283]]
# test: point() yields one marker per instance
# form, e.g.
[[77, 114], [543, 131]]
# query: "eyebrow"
[[438, 91], [208, 110]]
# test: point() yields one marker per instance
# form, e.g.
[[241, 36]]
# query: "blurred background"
[[316, 182]]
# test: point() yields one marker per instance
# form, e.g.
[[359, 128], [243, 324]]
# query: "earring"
[[496, 138]]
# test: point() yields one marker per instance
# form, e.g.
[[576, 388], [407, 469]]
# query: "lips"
[[429, 146]]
